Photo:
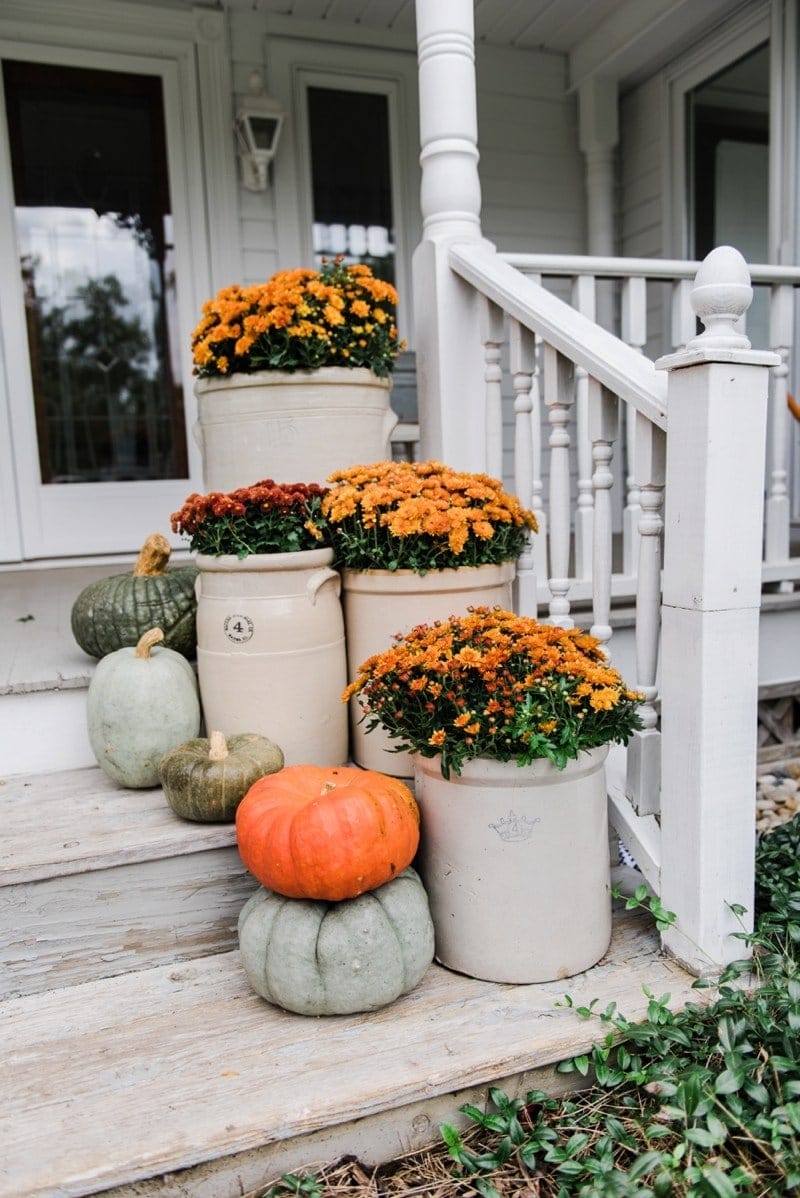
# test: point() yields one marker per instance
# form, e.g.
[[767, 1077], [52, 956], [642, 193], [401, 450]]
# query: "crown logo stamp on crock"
[[514, 828]]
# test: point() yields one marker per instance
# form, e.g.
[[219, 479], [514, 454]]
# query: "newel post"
[[716, 436], [447, 314]]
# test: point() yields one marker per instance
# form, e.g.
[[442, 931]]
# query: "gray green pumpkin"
[[206, 779], [319, 958], [141, 702], [113, 612]]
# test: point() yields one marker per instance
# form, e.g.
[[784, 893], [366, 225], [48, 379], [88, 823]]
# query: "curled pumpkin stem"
[[153, 556], [146, 641]]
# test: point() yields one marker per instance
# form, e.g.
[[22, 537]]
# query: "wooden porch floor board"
[[121, 1079]]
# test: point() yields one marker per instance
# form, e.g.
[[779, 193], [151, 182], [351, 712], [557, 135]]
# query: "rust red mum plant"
[[267, 517], [493, 684]]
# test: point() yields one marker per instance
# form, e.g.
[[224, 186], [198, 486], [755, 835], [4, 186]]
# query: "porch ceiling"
[[623, 39]]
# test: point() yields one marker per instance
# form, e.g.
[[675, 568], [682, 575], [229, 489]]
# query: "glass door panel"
[[729, 136], [93, 227], [100, 366]]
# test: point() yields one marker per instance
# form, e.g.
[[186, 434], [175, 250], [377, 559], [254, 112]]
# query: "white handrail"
[[569, 265], [615, 365]]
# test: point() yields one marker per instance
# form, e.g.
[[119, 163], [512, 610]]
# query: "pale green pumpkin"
[[142, 701], [207, 778], [319, 958]]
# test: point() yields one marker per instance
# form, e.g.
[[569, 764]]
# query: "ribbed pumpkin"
[[141, 703], [318, 958], [329, 833], [113, 612], [206, 779]]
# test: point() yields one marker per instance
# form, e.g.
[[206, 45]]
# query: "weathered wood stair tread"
[[84, 821], [96, 880], [132, 1077]]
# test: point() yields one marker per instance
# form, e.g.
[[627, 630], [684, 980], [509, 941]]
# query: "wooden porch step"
[[180, 1074], [97, 880], [43, 672]]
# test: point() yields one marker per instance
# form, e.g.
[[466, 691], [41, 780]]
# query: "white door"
[[104, 266]]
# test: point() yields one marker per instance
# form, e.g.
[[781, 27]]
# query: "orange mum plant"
[[300, 319], [493, 684], [422, 516]]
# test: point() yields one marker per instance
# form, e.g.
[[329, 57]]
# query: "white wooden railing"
[[647, 303], [696, 429]]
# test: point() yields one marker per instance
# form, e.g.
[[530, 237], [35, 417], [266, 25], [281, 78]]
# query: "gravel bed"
[[777, 794]]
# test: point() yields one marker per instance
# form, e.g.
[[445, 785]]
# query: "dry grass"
[[427, 1172]]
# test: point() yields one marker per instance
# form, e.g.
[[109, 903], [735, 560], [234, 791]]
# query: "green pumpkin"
[[319, 958], [141, 702], [113, 612], [207, 778]]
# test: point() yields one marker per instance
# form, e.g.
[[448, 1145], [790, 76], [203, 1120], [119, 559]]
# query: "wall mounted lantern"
[[259, 119]]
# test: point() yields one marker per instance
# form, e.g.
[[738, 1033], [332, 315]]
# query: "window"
[[351, 178]]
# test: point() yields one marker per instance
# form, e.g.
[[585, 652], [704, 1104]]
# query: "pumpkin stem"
[[218, 746], [153, 556], [327, 788], [146, 641]]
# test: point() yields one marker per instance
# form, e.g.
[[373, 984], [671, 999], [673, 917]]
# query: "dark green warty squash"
[[206, 779], [114, 612]]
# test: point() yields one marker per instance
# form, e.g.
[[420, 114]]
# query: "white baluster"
[[643, 785], [683, 322], [777, 510], [492, 337], [522, 357], [603, 428], [583, 298], [537, 493], [558, 398], [634, 333]]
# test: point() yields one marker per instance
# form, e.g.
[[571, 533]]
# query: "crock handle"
[[319, 578], [390, 419]]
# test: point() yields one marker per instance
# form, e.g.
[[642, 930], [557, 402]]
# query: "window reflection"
[[94, 235]]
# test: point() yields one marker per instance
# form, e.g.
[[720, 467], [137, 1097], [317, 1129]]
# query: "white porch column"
[[450, 365], [717, 410], [598, 132], [598, 136]]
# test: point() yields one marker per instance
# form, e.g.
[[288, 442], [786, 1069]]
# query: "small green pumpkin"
[[141, 702], [207, 778], [320, 958], [113, 612]]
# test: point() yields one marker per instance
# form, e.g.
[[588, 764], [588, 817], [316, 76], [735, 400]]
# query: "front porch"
[[136, 1049], [144, 1063]]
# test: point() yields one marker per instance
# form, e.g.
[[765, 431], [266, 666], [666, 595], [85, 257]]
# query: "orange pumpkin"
[[326, 832]]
